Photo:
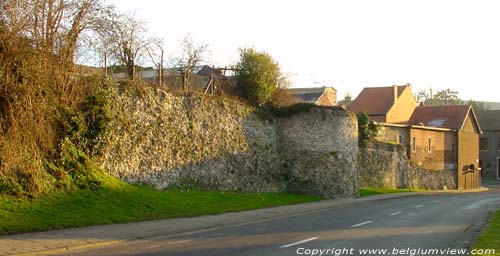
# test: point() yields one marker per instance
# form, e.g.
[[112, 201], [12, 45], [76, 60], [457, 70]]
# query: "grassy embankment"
[[490, 237], [115, 201], [376, 191]]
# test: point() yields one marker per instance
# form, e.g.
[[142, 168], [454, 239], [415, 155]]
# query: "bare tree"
[[49, 29], [445, 97], [126, 38], [156, 51], [192, 55]]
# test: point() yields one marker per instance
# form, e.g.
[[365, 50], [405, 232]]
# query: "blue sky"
[[346, 44]]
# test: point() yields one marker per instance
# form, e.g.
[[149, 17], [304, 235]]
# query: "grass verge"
[[115, 201], [376, 191], [490, 237]]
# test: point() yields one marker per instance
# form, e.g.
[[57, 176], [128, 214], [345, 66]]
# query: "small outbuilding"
[[446, 138]]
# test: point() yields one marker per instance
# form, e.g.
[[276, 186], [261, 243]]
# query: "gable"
[[470, 124], [403, 108], [376, 101], [315, 95]]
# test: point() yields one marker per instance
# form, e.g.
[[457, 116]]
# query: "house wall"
[[489, 158], [443, 154], [391, 134], [402, 108], [328, 98], [468, 153]]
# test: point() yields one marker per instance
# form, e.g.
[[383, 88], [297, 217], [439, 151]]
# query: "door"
[[498, 168]]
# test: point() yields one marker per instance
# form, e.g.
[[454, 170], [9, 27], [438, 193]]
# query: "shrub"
[[259, 76], [366, 130]]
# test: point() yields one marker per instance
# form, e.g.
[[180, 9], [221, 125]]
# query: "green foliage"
[[366, 130], [117, 201], [363, 123], [9, 186], [268, 112], [259, 76], [377, 191], [71, 124], [97, 113], [83, 172], [292, 110], [489, 236], [347, 101]]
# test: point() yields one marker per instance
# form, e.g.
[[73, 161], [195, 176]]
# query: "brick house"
[[489, 144], [446, 138], [323, 96], [435, 138], [392, 104]]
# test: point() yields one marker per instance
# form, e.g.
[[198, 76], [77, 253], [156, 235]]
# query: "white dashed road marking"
[[437, 201], [418, 206], [395, 213], [362, 223], [299, 242], [180, 242]]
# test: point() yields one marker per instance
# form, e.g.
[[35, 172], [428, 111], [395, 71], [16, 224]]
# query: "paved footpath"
[[57, 241]]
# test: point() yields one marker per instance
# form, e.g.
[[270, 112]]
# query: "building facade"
[[489, 144], [392, 104], [322, 96], [447, 138], [435, 137]]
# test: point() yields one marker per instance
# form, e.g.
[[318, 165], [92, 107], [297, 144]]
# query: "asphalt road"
[[400, 225]]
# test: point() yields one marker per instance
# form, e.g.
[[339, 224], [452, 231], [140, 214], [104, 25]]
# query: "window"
[[483, 144], [429, 142], [414, 144], [400, 140]]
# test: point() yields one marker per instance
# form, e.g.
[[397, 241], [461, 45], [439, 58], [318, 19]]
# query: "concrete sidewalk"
[[58, 241]]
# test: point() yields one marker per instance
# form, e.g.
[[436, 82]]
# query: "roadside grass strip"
[[117, 202], [490, 237], [366, 191]]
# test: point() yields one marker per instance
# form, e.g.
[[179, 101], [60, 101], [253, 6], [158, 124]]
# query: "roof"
[[489, 120], [448, 117], [310, 95], [375, 100]]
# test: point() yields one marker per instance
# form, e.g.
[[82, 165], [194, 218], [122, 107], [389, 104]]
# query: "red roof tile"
[[450, 117], [375, 100]]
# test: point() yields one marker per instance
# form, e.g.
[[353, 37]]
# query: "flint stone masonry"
[[387, 166], [319, 151], [203, 141]]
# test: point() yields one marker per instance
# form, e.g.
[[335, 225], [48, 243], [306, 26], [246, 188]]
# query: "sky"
[[347, 44]]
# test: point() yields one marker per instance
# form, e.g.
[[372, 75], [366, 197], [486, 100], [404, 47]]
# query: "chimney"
[[395, 88]]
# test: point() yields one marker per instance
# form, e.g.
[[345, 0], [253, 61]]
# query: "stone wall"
[[319, 150], [190, 141], [212, 142], [386, 165]]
